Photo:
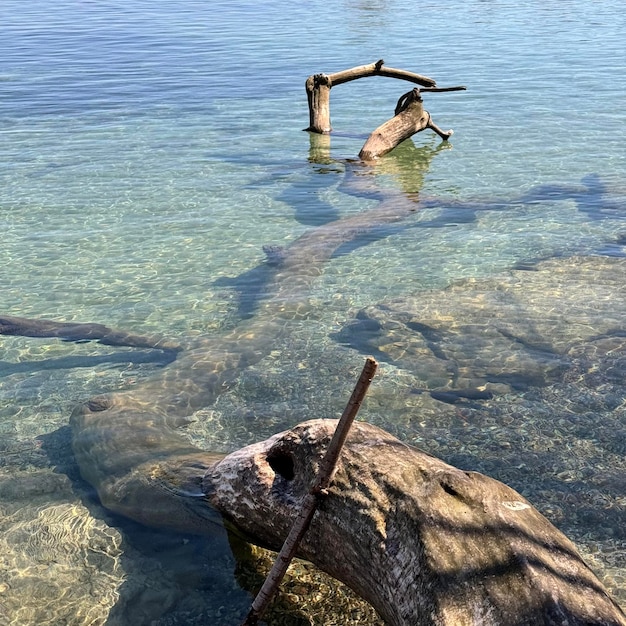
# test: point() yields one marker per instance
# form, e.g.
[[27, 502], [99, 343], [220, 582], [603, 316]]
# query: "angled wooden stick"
[[310, 501], [379, 69], [79, 332]]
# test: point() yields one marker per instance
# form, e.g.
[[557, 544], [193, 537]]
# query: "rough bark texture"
[[410, 118], [425, 543], [318, 96]]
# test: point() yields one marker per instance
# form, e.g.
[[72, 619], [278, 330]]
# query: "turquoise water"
[[149, 150]]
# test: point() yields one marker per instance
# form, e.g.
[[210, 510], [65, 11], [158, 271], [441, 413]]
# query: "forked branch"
[[318, 88]]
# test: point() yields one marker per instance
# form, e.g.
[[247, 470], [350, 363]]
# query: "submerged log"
[[425, 543], [127, 444], [409, 118], [75, 331]]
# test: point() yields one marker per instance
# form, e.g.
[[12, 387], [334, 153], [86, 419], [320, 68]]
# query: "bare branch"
[[378, 69], [310, 501]]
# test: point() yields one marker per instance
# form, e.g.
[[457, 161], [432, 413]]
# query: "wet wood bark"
[[410, 118], [425, 543]]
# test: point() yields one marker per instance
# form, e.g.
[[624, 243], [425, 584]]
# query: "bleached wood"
[[425, 543]]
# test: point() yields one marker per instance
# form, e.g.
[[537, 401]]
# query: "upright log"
[[318, 88], [318, 95], [378, 69]]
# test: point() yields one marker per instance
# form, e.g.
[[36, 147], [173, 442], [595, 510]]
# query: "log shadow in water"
[[127, 444]]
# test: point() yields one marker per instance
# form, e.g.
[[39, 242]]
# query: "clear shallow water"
[[147, 154]]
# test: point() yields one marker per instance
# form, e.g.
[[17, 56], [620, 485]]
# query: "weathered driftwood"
[[409, 118], [318, 88], [425, 543]]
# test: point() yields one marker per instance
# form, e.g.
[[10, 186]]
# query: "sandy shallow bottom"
[[560, 443]]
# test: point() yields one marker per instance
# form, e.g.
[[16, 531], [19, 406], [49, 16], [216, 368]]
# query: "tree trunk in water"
[[425, 543], [318, 95], [410, 118]]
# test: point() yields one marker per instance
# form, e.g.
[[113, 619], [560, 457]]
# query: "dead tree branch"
[[410, 118], [310, 501], [318, 88]]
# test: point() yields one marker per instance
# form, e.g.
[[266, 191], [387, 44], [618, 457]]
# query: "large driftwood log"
[[425, 543], [318, 88], [410, 118]]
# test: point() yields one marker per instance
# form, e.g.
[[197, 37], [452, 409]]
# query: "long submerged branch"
[[127, 444]]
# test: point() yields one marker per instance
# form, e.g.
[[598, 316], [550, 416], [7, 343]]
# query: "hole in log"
[[282, 464], [99, 403], [450, 489]]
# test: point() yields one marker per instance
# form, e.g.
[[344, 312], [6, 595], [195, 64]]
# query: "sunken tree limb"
[[410, 118], [318, 88], [128, 444], [80, 332]]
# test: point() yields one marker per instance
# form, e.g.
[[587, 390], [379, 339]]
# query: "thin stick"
[[310, 501], [437, 89]]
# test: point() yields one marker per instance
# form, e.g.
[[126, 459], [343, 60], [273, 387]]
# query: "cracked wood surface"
[[425, 543]]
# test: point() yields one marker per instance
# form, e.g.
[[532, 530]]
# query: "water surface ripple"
[[150, 150]]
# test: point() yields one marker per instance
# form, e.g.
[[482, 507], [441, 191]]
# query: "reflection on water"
[[149, 155]]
